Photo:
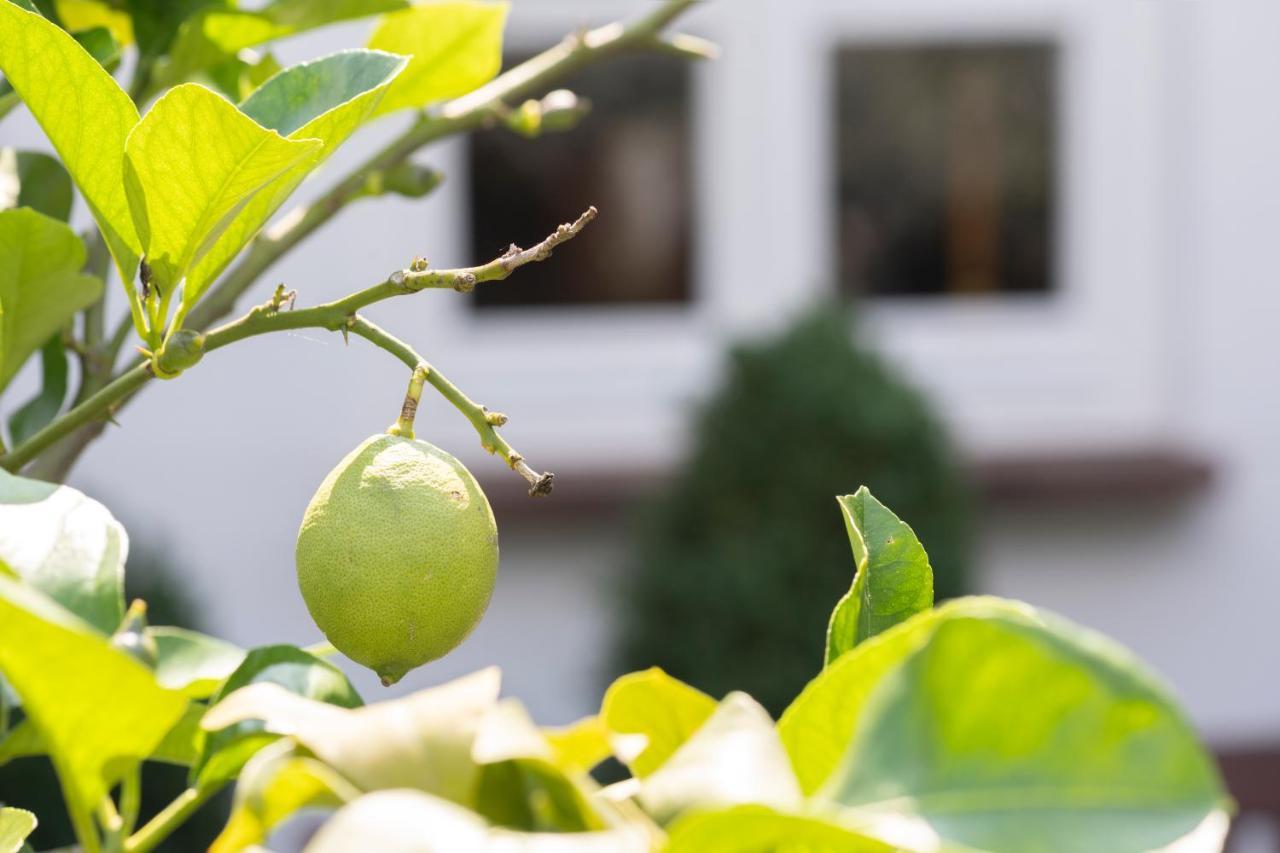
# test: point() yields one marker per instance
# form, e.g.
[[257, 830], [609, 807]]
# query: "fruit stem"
[[403, 426]]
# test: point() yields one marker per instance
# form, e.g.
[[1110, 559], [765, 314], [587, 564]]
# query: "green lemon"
[[397, 554]]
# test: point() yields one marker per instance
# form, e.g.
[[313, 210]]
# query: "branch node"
[[496, 419], [464, 282], [418, 264]]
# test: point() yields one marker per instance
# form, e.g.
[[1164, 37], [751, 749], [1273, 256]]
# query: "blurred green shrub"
[[740, 557]]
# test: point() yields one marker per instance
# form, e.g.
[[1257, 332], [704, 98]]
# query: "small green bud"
[[183, 350], [562, 110], [132, 636], [409, 180]]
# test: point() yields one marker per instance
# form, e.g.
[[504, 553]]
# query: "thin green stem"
[[130, 800], [170, 818], [339, 315], [83, 826], [403, 426]]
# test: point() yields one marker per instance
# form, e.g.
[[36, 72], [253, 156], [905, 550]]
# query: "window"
[[946, 168], [630, 156]]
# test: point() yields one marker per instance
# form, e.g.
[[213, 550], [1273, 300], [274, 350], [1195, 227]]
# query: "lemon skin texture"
[[397, 555]]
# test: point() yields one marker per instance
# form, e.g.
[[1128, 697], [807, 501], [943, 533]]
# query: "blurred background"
[[1008, 262]]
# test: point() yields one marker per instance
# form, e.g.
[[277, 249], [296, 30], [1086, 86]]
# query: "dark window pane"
[[629, 157], [946, 168]]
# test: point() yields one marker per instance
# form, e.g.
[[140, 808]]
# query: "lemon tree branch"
[[338, 316]]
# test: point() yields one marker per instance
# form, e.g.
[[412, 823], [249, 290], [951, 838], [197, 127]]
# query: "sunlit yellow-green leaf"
[[218, 34], [663, 709], [98, 710], [41, 286], [15, 826], [581, 745], [760, 829], [85, 114], [325, 100], [456, 46], [79, 15], [191, 165]]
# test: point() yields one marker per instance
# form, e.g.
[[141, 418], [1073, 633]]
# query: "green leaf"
[[191, 165], [41, 286], [760, 829], [581, 745], [22, 741], [735, 757], [37, 412], [420, 741], [326, 100], [277, 782], [156, 22], [85, 114], [818, 726], [224, 752], [456, 46], [193, 663], [35, 180], [663, 709], [15, 826], [80, 15], [892, 581], [66, 545], [1001, 734], [412, 820], [216, 36], [98, 711], [181, 744]]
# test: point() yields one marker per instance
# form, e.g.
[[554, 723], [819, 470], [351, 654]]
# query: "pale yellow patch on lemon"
[[397, 555]]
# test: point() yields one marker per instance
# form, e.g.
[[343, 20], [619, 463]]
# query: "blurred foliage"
[[30, 783], [737, 562]]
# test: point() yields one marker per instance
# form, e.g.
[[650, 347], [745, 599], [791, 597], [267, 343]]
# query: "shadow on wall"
[[738, 559]]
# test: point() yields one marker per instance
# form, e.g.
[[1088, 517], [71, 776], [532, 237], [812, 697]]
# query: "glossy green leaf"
[[1002, 734], [735, 757], [98, 711], [191, 165], [193, 663], [85, 114], [15, 826], [156, 22], [420, 741], [35, 180], [224, 751], [760, 829], [215, 36], [65, 544], [277, 782], [456, 46], [41, 286], [181, 744], [663, 709], [37, 412], [239, 76], [892, 580], [407, 820], [521, 786], [818, 726], [22, 741], [323, 100]]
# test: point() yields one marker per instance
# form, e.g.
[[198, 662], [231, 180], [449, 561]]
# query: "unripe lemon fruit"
[[397, 554]]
